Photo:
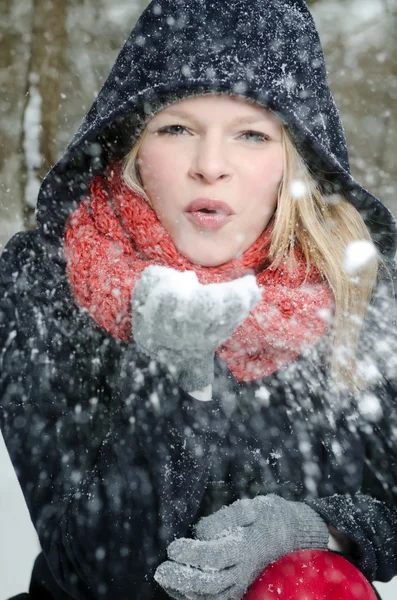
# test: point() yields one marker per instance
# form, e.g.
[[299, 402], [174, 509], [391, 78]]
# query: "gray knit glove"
[[235, 544], [180, 322]]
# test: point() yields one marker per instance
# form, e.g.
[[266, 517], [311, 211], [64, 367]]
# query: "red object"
[[311, 575]]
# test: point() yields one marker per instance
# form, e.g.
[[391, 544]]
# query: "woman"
[[197, 368]]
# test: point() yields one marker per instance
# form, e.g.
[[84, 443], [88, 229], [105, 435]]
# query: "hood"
[[265, 50]]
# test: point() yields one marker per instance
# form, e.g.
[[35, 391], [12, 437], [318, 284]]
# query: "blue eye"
[[255, 136], [172, 130]]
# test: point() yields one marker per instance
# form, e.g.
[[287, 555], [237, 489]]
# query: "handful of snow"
[[185, 286], [358, 254]]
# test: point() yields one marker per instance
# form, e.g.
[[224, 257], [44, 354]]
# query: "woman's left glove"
[[235, 544]]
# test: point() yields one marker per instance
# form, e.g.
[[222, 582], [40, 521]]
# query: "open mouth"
[[209, 206]]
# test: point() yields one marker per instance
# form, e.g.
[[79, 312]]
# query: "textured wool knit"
[[114, 235]]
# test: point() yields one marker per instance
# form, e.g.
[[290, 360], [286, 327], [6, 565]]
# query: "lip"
[[217, 205], [208, 220]]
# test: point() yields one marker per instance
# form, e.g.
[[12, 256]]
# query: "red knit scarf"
[[114, 235]]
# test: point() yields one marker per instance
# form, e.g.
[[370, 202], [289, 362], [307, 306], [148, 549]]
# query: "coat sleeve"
[[112, 457], [369, 518]]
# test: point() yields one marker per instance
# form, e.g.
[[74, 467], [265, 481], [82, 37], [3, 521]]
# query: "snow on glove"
[[235, 544], [181, 322]]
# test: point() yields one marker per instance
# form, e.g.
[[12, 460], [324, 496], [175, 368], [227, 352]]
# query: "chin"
[[205, 260], [206, 248]]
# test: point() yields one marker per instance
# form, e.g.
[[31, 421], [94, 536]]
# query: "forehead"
[[215, 105]]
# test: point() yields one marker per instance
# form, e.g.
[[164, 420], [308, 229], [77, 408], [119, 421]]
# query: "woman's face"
[[211, 167]]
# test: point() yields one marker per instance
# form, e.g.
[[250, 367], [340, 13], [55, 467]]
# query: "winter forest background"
[[54, 57]]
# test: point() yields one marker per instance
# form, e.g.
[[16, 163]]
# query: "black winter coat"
[[114, 460]]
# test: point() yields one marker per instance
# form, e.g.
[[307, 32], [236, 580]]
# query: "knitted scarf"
[[114, 235]]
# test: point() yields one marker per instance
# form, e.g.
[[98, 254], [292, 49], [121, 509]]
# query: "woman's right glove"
[[180, 322]]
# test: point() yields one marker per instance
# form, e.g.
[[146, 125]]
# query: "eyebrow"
[[238, 121]]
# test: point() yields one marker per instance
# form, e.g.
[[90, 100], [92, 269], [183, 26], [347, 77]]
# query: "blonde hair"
[[322, 227]]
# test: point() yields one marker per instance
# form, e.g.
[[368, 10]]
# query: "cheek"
[[264, 176], [155, 167]]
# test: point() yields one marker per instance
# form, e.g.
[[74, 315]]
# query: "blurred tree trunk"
[[15, 30], [385, 144], [41, 113]]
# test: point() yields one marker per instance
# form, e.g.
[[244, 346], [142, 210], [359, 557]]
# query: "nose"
[[210, 161]]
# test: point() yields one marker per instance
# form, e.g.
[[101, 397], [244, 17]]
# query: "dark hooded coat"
[[114, 460]]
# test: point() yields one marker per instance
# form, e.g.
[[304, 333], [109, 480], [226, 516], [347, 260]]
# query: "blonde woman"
[[198, 341]]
